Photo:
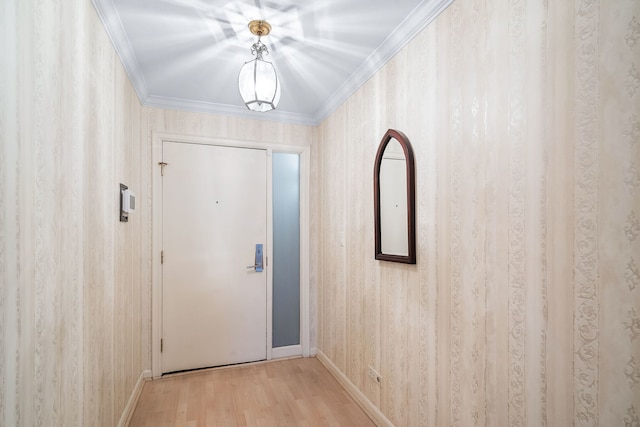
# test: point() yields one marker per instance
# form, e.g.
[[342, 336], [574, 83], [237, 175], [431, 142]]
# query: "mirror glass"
[[394, 197], [393, 201]]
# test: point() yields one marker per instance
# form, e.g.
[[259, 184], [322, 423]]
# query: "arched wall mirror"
[[394, 199]]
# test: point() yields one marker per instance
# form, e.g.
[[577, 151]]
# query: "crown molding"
[[418, 19], [422, 15], [229, 110], [112, 24]]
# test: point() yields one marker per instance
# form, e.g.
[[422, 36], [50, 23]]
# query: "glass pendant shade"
[[259, 85]]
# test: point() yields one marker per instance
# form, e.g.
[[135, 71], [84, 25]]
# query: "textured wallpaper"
[[524, 306], [217, 126], [74, 281]]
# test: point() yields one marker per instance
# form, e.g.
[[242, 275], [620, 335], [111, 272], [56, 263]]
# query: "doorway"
[[303, 151], [214, 214]]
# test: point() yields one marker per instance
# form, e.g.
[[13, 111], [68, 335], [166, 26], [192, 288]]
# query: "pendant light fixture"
[[258, 81]]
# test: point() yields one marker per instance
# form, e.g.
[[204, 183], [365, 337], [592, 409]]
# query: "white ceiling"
[[186, 54]]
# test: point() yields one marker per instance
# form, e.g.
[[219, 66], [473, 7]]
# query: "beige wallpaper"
[[524, 306], [210, 125], [74, 281]]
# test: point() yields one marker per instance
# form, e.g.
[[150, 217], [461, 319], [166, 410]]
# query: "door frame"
[[156, 290]]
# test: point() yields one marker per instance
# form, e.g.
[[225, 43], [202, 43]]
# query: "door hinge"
[[161, 257], [162, 165], [161, 345]]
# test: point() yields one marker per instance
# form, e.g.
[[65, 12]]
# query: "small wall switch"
[[128, 201]]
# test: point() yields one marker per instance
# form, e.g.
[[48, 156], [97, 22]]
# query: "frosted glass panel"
[[286, 249]]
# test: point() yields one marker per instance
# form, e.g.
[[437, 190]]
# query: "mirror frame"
[[411, 199]]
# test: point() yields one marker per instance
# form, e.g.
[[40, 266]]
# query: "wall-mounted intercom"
[[127, 203]]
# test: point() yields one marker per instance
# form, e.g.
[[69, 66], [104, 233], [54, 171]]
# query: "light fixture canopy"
[[258, 81]]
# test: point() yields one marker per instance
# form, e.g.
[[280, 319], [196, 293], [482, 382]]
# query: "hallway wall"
[[523, 308], [74, 281]]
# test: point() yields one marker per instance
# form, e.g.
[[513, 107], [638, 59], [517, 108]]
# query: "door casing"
[[156, 293]]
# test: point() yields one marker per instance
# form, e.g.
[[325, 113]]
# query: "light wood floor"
[[294, 392]]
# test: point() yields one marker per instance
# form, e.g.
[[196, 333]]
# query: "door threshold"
[[221, 367]]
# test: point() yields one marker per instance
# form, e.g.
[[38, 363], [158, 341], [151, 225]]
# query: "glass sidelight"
[[286, 249]]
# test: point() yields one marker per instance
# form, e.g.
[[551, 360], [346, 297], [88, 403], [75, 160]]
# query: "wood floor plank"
[[294, 392]]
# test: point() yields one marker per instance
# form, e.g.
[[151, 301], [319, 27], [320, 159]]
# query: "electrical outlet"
[[375, 376]]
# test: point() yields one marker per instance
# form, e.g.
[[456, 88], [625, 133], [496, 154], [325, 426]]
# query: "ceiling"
[[186, 54]]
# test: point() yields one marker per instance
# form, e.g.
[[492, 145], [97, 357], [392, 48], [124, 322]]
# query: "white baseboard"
[[371, 410], [125, 418], [288, 351]]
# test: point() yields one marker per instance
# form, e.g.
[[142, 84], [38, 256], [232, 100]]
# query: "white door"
[[213, 215]]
